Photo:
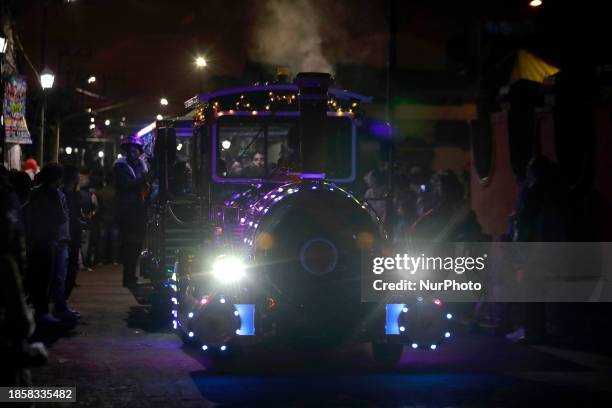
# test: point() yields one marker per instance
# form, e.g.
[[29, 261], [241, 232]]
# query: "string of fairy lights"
[[260, 102]]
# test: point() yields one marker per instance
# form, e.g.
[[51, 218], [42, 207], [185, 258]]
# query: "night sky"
[[141, 50]]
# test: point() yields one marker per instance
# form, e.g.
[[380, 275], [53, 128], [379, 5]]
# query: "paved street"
[[115, 358]]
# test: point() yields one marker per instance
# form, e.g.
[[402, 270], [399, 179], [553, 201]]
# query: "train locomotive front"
[[285, 267], [283, 238]]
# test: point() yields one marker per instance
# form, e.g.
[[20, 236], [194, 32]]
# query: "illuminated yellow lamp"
[[350, 111], [267, 107], [365, 240], [254, 112], [535, 3], [334, 103], [220, 113], [231, 112], [270, 93], [354, 104], [264, 241], [339, 111], [292, 96], [241, 96], [248, 105]]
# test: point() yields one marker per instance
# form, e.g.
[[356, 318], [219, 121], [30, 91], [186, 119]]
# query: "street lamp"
[[46, 79], [535, 3], [163, 102], [200, 64], [46, 82], [159, 117], [91, 79]]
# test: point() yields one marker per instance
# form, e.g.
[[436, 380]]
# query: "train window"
[[269, 147], [254, 149]]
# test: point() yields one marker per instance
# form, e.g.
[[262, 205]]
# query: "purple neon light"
[[312, 175], [381, 130], [146, 129]]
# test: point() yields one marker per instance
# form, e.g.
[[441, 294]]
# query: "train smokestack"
[[312, 99]]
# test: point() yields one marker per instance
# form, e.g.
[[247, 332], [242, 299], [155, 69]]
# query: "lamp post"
[[200, 65], [46, 82]]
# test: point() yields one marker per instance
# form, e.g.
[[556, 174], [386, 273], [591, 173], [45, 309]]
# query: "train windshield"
[[268, 148]]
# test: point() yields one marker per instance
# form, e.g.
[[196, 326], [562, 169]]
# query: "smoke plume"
[[288, 33]]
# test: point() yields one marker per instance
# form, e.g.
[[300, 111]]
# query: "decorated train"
[[254, 233]]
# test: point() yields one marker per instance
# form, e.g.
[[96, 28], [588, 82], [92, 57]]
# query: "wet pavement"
[[116, 358]]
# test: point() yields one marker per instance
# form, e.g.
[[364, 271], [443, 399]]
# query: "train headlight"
[[228, 269]]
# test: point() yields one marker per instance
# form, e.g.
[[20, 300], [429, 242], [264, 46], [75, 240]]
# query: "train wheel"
[[387, 354]]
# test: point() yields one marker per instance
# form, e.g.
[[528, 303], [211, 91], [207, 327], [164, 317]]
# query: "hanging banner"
[[15, 126]]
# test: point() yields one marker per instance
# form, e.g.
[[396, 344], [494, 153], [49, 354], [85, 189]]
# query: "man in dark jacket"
[[48, 234], [131, 188]]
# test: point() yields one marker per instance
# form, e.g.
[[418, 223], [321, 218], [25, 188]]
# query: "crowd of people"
[[435, 208], [62, 219], [55, 222], [423, 207]]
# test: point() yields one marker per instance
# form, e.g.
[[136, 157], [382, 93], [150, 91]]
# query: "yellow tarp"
[[530, 67]]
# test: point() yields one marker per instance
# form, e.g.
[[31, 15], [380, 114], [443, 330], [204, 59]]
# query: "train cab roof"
[[272, 97]]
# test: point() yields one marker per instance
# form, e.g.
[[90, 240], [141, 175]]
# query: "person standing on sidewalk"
[[107, 250], [73, 198], [48, 234], [130, 173]]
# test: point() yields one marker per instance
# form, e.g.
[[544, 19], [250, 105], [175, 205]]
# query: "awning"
[[530, 67]]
